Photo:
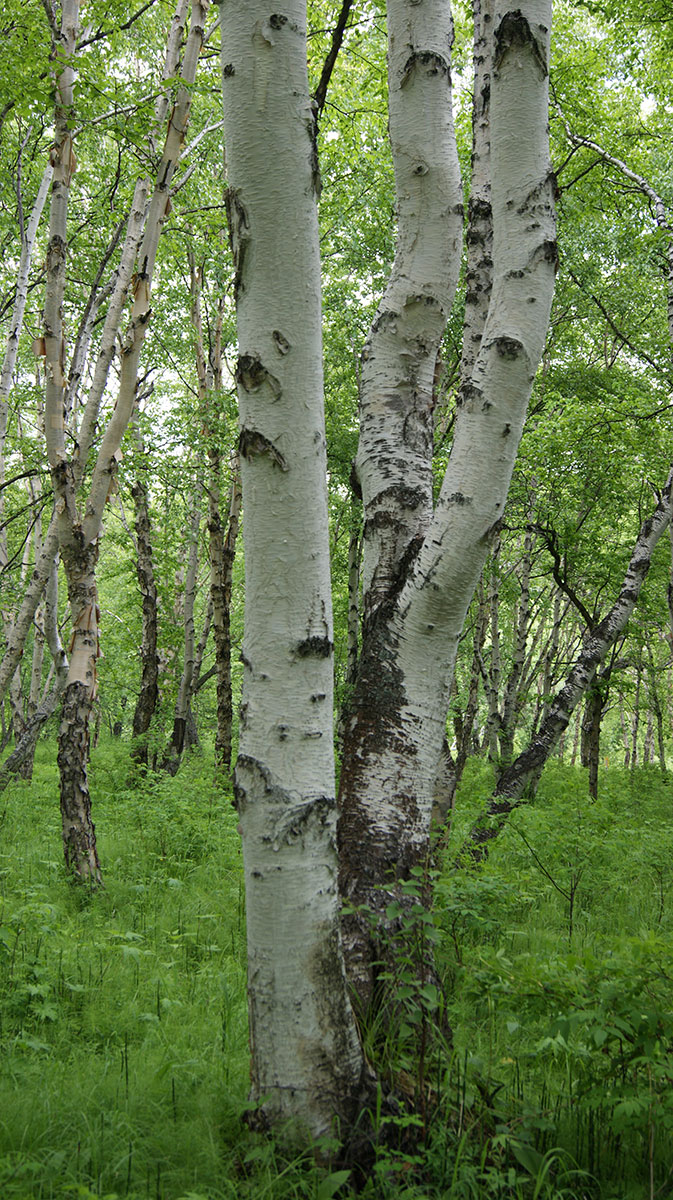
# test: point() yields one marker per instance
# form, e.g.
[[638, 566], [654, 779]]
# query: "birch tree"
[[79, 532], [418, 586], [306, 1059], [420, 566]]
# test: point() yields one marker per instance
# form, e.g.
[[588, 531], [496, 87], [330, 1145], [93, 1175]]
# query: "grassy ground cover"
[[123, 1038]]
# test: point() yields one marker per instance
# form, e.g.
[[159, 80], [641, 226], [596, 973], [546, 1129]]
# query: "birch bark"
[[394, 737], [79, 533], [306, 1059]]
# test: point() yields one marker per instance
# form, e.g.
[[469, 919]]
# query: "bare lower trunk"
[[593, 716], [79, 833]]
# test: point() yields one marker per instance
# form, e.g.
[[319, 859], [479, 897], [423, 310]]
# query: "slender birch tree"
[[79, 532], [306, 1059]]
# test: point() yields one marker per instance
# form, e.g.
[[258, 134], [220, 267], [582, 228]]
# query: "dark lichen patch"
[[251, 374], [252, 444], [508, 348], [380, 520], [281, 342], [408, 497], [433, 63], [385, 320], [459, 498], [228, 71], [514, 31], [470, 393], [479, 209], [423, 299], [315, 647], [550, 252]]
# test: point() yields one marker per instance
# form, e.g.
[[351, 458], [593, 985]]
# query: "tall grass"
[[123, 1026]]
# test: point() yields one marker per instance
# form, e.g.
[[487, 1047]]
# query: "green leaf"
[[529, 1158], [330, 1185]]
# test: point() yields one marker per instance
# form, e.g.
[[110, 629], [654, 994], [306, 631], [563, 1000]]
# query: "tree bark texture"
[[306, 1059], [394, 457], [222, 558], [221, 543], [413, 619]]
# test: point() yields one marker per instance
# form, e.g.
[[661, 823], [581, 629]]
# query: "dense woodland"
[[224, 605]]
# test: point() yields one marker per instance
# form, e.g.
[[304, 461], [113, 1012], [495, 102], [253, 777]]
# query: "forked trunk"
[[397, 723]]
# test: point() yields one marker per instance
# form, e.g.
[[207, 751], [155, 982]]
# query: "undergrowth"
[[123, 1027]]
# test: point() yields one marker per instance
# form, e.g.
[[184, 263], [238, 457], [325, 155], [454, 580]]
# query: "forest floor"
[[123, 1023]]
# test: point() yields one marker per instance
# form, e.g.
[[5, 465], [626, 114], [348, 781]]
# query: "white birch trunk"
[[306, 1059], [397, 721], [394, 458]]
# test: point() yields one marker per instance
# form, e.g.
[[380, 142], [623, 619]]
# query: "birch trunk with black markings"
[[307, 1064], [421, 568], [80, 525]]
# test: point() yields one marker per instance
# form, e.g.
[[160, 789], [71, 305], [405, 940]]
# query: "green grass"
[[124, 1031], [123, 1023]]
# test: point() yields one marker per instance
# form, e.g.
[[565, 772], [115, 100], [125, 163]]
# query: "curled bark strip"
[[238, 225]]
